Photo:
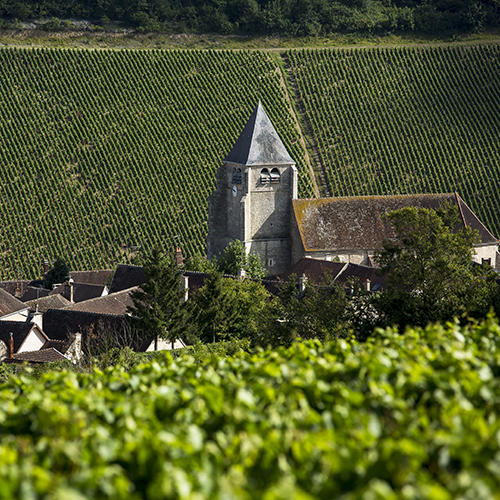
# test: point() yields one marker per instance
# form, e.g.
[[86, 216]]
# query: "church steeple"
[[253, 199], [259, 143]]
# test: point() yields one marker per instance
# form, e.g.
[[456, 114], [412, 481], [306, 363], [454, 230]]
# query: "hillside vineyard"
[[406, 121], [102, 152], [105, 151]]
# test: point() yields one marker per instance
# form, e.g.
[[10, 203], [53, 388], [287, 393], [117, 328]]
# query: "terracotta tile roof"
[[354, 223], [126, 277], [20, 330], [9, 304], [55, 301], [81, 291], [113, 303], [48, 355], [97, 277], [259, 143]]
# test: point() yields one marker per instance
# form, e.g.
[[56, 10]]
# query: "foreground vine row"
[[399, 417]]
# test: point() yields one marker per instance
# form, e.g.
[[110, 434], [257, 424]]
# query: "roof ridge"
[[373, 196]]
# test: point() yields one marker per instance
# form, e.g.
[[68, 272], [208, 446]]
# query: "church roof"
[[354, 223], [259, 143]]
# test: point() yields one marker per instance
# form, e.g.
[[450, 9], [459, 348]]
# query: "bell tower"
[[253, 198]]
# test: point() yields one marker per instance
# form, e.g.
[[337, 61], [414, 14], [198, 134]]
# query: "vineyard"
[[406, 120], [103, 152], [409, 416], [106, 152]]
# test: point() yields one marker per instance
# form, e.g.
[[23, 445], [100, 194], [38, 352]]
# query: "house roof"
[[55, 301], [13, 285], [259, 143], [364, 273], [127, 276], [20, 330], [33, 292], [354, 223], [61, 345], [314, 269], [114, 303], [48, 355], [81, 291], [97, 277], [9, 304], [59, 324]]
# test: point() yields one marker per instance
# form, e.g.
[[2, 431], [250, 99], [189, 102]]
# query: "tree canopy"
[[159, 310], [292, 17], [58, 273], [430, 271]]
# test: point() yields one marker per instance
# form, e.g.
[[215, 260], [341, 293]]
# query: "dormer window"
[[275, 176], [265, 176], [236, 176]]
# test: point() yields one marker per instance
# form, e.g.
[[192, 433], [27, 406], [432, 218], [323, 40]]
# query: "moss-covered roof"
[[354, 223]]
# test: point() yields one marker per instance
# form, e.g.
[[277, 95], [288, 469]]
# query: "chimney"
[[242, 274], [17, 293], [46, 266], [368, 285], [185, 287], [11, 345], [302, 283], [71, 292], [179, 260]]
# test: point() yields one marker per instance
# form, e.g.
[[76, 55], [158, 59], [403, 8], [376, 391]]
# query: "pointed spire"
[[259, 143]]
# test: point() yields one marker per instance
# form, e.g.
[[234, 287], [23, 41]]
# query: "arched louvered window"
[[265, 176], [237, 176], [275, 176]]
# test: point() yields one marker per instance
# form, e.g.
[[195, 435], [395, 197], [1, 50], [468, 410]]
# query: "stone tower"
[[253, 198]]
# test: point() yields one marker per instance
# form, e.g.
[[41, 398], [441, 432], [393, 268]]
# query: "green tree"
[[235, 257], [200, 263], [213, 309], [159, 310], [58, 273], [255, 311], [429, 269], [318, 311]]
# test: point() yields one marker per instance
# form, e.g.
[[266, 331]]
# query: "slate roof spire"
[[259, 143]]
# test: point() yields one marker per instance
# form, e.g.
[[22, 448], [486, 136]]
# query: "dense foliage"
[[406, 120], [107, 152], [158, 310], [400, 417], [304, 17], [429, 270]]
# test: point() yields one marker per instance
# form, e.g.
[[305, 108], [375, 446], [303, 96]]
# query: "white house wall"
[[21, 315], [33, 342]]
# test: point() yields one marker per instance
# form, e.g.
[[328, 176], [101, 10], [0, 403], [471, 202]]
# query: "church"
[[256, 202]]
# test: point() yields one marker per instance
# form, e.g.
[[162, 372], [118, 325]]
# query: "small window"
[[486, 261], [270, 263], [265, 177], [275, 176], [236, 176]]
